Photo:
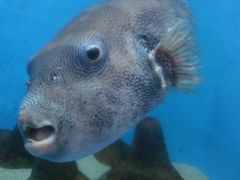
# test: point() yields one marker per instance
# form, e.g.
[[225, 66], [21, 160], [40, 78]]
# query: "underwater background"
[[201, 129]]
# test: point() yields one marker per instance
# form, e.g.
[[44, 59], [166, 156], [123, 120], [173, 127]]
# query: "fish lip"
[[38, 147]]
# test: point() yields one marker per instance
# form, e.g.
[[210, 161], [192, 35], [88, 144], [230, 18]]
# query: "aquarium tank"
[[200, 128]]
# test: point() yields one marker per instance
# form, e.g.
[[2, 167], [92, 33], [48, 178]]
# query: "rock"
[[148, 157], [44, 170], [114, 154], [148, 143], [12, 152]]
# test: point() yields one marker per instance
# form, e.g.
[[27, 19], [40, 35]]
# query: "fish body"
[[103, 73]]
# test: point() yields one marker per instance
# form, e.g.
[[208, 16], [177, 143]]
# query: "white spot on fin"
[[158, 69]]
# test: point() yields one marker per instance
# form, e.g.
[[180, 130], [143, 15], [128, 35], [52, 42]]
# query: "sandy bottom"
[[189, 172], [16, 174]]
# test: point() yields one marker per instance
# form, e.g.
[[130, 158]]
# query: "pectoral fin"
[[175, 58]]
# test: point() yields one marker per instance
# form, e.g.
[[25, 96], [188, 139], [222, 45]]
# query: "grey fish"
[[103, 73]]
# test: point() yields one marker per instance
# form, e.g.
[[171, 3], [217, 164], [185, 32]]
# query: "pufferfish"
[[103, 73]]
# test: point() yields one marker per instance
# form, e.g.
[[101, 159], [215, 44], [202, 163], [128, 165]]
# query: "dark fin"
[[175, 58]]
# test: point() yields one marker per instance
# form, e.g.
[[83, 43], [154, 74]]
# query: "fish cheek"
[[102, 120], [145, 92]]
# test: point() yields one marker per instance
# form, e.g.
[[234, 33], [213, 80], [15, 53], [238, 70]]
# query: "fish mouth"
[[39, 139]]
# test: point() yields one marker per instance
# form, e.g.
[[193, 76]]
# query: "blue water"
[[201, 129]]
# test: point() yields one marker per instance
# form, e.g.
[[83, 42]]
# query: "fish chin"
[[73, 151], [41, 148]]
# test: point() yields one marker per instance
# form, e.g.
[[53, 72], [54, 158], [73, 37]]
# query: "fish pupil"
[[93, 53]]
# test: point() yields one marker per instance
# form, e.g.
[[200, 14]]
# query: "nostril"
[[23, 120]]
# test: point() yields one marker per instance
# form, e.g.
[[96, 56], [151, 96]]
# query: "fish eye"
[[94, 49], [93, 53]]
